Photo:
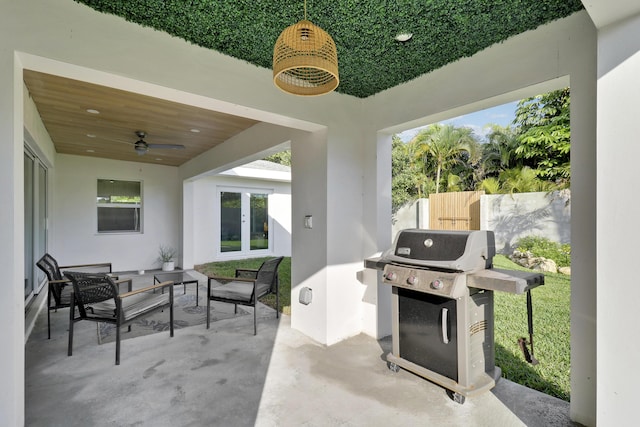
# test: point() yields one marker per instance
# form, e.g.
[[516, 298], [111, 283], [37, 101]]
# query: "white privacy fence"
[[509, 216]]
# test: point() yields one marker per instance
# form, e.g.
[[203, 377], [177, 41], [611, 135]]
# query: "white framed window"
[[119, 205]]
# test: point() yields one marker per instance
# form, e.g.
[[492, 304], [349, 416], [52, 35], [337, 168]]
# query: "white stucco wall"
[[618, 211], [73, 221]]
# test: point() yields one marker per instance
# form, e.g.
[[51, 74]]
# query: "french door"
[[244, 221]]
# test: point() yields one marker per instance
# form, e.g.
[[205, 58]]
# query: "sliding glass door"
[[35, 217], [244, 220]]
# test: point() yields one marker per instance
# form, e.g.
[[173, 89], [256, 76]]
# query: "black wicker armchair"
[[246, 288], [59, 287], [97, 299]]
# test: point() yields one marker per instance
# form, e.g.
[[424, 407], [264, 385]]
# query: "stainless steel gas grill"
[[442, 306]]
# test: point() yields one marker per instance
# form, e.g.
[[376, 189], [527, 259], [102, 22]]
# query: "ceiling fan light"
[[140, 148]]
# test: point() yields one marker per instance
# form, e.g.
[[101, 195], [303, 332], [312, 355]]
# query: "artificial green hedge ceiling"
[[369, 57]]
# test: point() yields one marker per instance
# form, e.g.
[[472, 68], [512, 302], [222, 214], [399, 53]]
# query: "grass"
[[236, 245], [228, 269], [550, 318], [551, 334]]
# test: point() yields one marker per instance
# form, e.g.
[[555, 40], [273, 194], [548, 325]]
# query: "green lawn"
[[236, 245], [551, 334], [228, 269], [550, 318]]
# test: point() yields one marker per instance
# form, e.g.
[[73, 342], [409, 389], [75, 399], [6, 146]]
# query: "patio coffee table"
[[178, 278]]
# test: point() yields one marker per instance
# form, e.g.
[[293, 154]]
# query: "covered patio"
[[231, 378], [341, 176]]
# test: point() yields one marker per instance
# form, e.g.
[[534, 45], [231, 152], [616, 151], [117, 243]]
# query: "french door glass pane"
[[230, 222], [259, 221]]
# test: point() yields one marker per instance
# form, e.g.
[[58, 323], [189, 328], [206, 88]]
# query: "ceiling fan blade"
[[167, 146]]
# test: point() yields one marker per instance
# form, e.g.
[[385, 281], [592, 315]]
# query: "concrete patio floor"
[[225, 376]]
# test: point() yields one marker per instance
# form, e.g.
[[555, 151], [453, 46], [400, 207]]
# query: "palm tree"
[[499, 153], [523, 180], [443, 145], [490, 185]]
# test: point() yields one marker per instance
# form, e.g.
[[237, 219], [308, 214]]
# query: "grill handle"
[[443, 324]]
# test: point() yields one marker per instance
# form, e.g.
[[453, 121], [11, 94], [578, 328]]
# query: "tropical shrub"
[[546, 248]]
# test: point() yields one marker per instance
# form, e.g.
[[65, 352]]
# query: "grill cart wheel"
[[456, 397], [393, 367]]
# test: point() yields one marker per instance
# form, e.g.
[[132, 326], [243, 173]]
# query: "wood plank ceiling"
[[64, 104]]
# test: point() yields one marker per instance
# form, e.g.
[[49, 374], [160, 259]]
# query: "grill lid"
[[443, 249]]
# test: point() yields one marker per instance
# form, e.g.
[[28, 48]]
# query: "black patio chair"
[[59, 287], [246, 288], [97, 299]]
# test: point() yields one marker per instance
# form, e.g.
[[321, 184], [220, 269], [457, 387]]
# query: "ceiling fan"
[[141, 146]]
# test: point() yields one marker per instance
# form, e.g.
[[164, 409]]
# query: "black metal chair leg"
[[208, 308], [48, 312], [278, 300], [171, 320], [117, 344], [255, 319], [72, 310]]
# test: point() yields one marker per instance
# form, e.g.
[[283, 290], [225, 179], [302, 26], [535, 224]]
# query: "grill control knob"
[[413, 280], [391, 276], [437, 284]]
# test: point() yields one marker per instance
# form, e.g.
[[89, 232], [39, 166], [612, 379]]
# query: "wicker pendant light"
[[305, 60]]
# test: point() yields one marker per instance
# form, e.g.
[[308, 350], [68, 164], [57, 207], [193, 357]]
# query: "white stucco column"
[[584, 210], [188, 229], [11, 241], [309, 245], [376, 220], [327, 184], [618, 211]]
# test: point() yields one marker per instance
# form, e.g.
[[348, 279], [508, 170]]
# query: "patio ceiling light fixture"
[[404, 37], [305, 60]]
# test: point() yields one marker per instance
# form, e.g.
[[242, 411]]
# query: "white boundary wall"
[[513, 216], [411, 215]]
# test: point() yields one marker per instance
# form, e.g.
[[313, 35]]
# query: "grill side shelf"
[[375, 263], [512, 281]]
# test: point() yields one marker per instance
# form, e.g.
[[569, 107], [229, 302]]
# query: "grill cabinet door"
[[422, 337]]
